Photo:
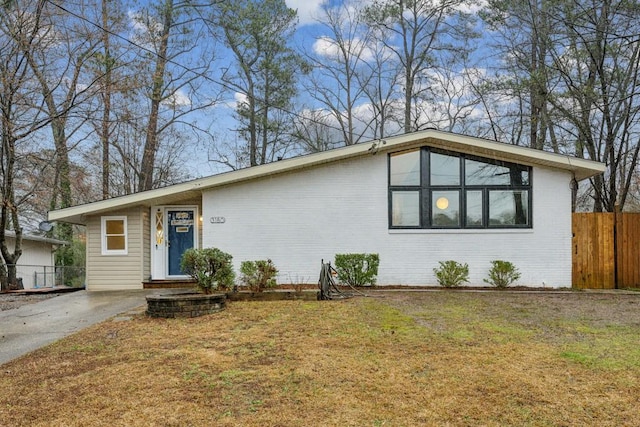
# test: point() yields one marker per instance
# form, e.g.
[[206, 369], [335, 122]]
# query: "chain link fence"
[[43, 276]]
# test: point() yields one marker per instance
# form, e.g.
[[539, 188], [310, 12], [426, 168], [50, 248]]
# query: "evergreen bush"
[[451, 273], [259, 275], [211, 268], [357, 269], [502, 274]]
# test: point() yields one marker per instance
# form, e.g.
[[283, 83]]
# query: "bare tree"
[[418, 31], [380, 85], [107, 62], [572, 75], [451, 104], [314, 132], [178, 60], [160, 39], [65, 45], [20, 120], [338, 83], [526, 37], [599, 92], [127, 148]]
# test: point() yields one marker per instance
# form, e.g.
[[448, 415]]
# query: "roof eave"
[[31, 237], [581, 169], [191, 189]]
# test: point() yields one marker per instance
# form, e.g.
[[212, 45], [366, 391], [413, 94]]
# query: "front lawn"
[[397, 359]]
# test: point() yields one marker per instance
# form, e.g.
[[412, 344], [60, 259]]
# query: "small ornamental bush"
[[451, 273], [211, 268], [357, 269], [259, 275], [502, 274]]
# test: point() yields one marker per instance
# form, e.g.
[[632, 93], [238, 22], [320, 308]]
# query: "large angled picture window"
[[432, 188]]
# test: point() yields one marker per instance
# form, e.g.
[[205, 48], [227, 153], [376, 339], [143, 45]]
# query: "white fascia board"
[[581, 168], [34, 238], [77, 214]]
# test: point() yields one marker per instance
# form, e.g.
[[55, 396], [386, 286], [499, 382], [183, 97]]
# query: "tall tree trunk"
[[106, 93], [151, 142], [253, 126], [63, 231], [408, 103], [533, 90], [9, 212]]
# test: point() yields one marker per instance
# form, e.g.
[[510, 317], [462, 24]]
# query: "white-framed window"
[[114, 235]]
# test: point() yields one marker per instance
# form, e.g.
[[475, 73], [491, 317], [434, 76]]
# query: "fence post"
[[616, 218]]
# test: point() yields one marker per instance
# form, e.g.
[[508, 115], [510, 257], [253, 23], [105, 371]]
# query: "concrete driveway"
[[32, 326]]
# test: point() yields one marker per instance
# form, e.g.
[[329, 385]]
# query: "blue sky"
[[307, 31], [308, 10], [311, 37]]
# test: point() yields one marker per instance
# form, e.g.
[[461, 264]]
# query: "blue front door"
[[180, 237]]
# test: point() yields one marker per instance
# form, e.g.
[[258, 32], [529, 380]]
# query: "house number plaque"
[[217, 220]]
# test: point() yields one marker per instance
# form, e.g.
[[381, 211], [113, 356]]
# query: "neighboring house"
[[36, 266], [415, 199]]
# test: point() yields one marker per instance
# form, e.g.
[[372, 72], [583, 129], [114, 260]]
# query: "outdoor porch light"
[[442, 203]]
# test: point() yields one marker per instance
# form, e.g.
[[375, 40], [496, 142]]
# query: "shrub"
[[259, 275], [502, 274], [211, 268], [451, 273], [357, 269]]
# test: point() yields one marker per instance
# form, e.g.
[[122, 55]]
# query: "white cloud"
[[308, 10], [232, 104], [327, 47], [178, 99], [143, 28], [472, 7], [240, 98], [135, 18]]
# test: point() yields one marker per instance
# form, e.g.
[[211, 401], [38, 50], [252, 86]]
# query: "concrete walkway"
[[32, 326]]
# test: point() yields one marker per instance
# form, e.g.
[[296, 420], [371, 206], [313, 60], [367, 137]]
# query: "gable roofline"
[[581, 168], [34, 238]]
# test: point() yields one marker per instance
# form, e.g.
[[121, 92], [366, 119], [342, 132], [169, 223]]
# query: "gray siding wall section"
[[301, 218], [35, 257], [111, 272]]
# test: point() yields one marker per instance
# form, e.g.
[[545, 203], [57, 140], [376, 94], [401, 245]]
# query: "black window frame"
[[426, 190]]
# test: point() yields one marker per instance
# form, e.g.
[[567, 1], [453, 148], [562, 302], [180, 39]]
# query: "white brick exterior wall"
[[298, 219]]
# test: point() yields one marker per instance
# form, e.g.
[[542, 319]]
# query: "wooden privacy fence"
[[606, 250]]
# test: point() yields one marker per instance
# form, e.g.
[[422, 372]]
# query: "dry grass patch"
[[429, 358]]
